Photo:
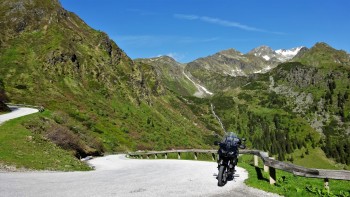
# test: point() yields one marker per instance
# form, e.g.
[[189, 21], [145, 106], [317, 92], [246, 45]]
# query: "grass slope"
[[23, 149], [289, 185], [101, 101]]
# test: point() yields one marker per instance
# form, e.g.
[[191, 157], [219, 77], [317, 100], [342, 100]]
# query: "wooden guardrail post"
[[266, 168], [270, 164], [213, 156], [326, 184], [272, 173], [256, 160], [155, 156]]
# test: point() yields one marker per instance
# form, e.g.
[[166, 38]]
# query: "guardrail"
[[40, 108], [270, 164]]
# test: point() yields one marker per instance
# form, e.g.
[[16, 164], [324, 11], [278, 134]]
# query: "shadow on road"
[[230, 178]]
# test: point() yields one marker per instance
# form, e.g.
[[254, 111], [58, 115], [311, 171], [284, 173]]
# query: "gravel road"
[[17, 112], [116, 175]]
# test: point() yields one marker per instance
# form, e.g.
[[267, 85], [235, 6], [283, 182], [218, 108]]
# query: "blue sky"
[[189, 29]]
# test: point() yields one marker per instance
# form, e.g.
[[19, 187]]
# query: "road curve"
[[17, 112], [116, 175]]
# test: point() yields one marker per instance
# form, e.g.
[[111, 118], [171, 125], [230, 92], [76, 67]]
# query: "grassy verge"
[[21, 148], [290, 185]]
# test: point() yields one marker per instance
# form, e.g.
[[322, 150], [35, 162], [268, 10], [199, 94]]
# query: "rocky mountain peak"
[[230, 52], [322, 45], [263, 51], [165, 58], [280, 55]]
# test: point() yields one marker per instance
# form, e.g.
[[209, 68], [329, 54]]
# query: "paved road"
[[17, 112], [116, 175]]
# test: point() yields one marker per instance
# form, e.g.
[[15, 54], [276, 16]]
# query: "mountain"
[[172, 74], [175, 78], [97, 99], [280, 55], [308, 97], [323, 55], [226, 69], [230, 62], [298, 107]]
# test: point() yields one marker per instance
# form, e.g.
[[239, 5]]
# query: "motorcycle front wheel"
[[222, 176]]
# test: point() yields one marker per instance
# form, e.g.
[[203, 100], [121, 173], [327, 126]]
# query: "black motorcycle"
[[228, 157]]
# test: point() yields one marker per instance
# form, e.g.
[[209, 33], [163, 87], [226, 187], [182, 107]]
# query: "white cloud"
[[221, 22], [187, 17], [228, 23]]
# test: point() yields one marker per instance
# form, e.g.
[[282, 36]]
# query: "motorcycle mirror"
[[243, 139], [242, 146], [216, 143]]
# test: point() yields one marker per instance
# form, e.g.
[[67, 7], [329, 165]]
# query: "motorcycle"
[[228, 158]]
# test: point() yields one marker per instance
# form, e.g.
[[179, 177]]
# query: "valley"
[[293, 103]]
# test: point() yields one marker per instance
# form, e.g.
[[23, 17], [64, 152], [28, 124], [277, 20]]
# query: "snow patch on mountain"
[[264, 70], [237, 72], [285, 55], [280, 55], [266, 57], [202, 91]]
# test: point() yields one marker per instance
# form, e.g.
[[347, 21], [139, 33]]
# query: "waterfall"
[[217, 117]]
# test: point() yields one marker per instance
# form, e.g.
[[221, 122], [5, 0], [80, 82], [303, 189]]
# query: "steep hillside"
[[291, 111], [171, 74], [323, 56], [320, 95], [100, 100], [293, 108], [220, 70]]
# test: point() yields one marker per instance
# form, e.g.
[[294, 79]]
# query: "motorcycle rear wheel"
[[222, 179]]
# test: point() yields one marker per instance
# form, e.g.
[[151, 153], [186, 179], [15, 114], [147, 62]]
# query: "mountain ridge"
[[99, 100], [280, 55]]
